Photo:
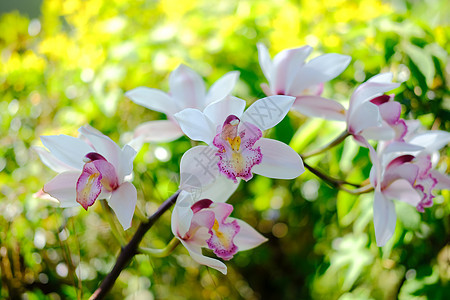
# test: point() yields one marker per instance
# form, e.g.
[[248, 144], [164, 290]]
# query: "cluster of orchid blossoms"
[[93, 167]]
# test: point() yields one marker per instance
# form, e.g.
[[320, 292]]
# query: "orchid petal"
[[443, 180], [198, 164], [220, 190], [123, 202], [265, 62], [51, 161], [397, 146], [218, 111], [67, 149], [153, 99], [402, 190], [196, 125], [279, 160], [384, 218], [268, 112], [160, 131], [247, 237], [432, 140], [126, 159], [222, 87], [315, 106], [369, 90], [63, 188], [182, 214], [196, 253], [89, 184], [187, 87], [390, 111], [383, 132], [365, 116]]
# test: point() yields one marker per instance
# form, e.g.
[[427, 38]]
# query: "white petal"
[[431, 140], [153, 99], [384, 218], [160, 131], [279, 160], [196, 253], [329, 65], [268, 112], [369, 90], [265, 62], [315, 106], [196, 125], [67, 149], [247, 237], [126, 158], [383, 132], [443, 180], [382, 78], [218, 111], [402, 190], [51, 161], [222, 87], [123, 202], [63, 188], [220, 190], [182, 214], [187, 88], [198, 167], [365, 116], [401, 147]]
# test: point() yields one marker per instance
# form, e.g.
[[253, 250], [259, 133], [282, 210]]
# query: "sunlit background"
[[67, 63]]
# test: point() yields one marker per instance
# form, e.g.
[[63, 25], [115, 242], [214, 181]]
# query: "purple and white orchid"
[[187, 90], [90, 167], [236, 148], [288, 74], [207, 224]]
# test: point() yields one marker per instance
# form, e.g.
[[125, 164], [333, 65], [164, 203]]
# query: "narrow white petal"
[[159, 131], [51, 161], [381, 133], [218, 111], [431, 140], [268, 112], [315, 106], [196, 253], [198, 167], [126, 159], [222, 87], [123, 202], [187, 88], [182, 214], [369, 90], [402, 190], [63, 188], [247, 237], [365, 116], [153, 99], [330, 65], [218, 191], [67, 149], [265, 62], [384, 218], [279, 160], [196, 125]]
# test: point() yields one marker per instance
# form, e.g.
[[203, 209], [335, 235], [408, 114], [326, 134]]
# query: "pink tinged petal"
[[195, 252], [390, 112], [268, 112], [247, 237], [402, 190], [443, 180], [315, 106], [265, 62], [123, 202], [198, 165], [126, 159], [196, 125], [187, 88], [384, 218], [217, 112], [381, 99], [160, 131], [89, 185], [222, 87], [406, 171], [266, 89], [153, 99], [382, 133], [103, 145], [400, 160], [67, 149], [398, 146], [369, 90], [201, 218], [401, 129], [318, 70], [365, 116], [285, 66], [222, 239], [51, 161], [425, 186], [63, 188], [432, 140], [279, 160], [108, 173]]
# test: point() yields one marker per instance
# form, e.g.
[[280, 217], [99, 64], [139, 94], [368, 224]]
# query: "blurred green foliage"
[[72, 65]]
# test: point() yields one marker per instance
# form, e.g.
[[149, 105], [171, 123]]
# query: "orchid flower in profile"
[[90, 167], [187, 90], [288, 74], [236, 148], [207, 224], [404, 171]]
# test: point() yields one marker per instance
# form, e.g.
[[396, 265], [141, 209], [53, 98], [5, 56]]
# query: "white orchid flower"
[[90, 167], [187, 90], [236, 148], [206, 224], [288, 74]]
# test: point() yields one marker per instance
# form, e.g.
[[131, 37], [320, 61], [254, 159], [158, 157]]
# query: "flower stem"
[[335, 142], [161, 252], [129, 250], [115, 231], [362, 190], [336, 183]]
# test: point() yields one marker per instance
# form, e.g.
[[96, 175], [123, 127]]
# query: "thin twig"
[[336, 183], [131, 249], [328, 146]]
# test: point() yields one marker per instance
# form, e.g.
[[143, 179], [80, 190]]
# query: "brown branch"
[[131, 248], [336, 183]]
